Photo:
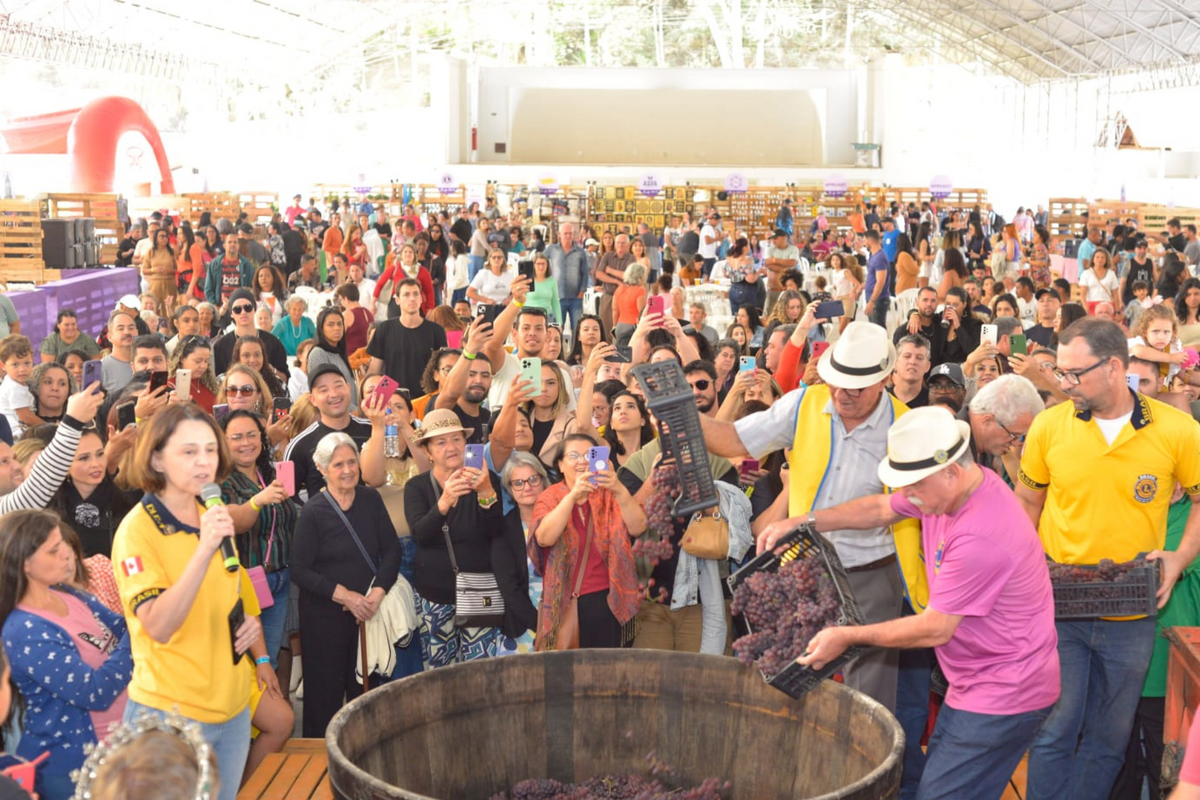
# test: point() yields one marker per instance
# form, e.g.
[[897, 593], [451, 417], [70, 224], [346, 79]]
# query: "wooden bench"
[[298, 773]]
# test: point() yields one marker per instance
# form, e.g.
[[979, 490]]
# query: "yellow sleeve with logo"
[[137, 566], [1187, 460]]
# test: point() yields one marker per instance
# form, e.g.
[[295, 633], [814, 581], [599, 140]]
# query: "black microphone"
[[210, 493]]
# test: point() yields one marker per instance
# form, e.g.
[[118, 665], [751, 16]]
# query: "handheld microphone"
[[210, 493]]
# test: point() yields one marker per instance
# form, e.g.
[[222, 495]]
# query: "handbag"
[[567, 637], [258, 575], [477, 599], [707, 537]]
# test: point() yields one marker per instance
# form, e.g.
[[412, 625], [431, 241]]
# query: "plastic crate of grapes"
[[1090, 591], [801, 544], [669, 396]]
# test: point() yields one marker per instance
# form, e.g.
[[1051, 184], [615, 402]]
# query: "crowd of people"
[[212, 505]]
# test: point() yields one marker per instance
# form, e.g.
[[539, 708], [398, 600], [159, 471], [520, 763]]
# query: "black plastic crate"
[[803, 542], [1133, 595], [669, 396]]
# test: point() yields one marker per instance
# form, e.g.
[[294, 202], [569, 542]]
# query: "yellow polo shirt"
[[194, 670], [1109, 501]]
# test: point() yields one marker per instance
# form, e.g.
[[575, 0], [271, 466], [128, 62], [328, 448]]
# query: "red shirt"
[[595, 575]]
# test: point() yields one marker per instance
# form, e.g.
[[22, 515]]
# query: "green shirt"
[[545, 295], [53, 345], [1182, 609]]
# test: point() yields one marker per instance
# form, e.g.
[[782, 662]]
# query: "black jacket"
[[511, 567]]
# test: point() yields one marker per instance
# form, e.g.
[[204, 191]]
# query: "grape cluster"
[[784, 609], [655, 546], [1107, 571], [613, 787]]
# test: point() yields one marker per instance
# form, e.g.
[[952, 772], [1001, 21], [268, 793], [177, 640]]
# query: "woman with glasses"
[[491, 286], [524, 479], [581, 544], [194, 353], [244, 389], [544, 293]]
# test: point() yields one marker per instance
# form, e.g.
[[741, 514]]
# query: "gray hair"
[[635, 274], [1007, 326], [298, 299], [916, 340], [207, 305], [786, 330], [521, 459], [1007, 398], [329, 444]]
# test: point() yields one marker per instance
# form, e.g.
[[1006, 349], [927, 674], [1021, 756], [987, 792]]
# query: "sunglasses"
[[243, 391], [702, 385], [242, 309]]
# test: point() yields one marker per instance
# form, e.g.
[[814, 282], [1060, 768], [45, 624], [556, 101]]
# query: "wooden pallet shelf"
[[1066, 216], [259, 206], [1153, 219], [21, 241], [101, 207]]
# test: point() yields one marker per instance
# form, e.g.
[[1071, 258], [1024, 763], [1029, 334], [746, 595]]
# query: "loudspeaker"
[[58, 238]]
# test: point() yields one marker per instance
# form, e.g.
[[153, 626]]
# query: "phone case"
[[93, 372], [655, 305], [598, 460], [386, 388], [747, 364], [220, 411], [285, 473], [473, 457], [531, 370], [183, 382], [236, 617], [748, 465], [282, 406]]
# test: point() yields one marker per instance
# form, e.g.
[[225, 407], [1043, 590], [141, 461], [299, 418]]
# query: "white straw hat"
[[863, 356], [922, 442]]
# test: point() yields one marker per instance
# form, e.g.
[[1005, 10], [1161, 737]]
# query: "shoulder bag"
[[707, 537], [567, 637], [477, 599]]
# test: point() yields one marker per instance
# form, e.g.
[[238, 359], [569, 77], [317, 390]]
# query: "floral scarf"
[[554, 563]]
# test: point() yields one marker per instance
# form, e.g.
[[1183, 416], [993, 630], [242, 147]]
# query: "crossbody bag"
[[477, 599]]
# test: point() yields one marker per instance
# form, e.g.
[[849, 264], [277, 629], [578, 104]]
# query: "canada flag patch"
[[132, 566]]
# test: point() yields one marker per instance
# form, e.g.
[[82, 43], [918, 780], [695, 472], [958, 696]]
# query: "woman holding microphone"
[[191, 620]]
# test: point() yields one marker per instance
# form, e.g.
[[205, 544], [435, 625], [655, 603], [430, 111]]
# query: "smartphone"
[[988, 333], [622, 355], [818, 350], [126, 416], [220, 411], [525, 270], [183, 383], [656, 304], [830, 309], [488, 313], [597, 460], [531, 370], [748, 466], [236, 618], [93, 372], [747, 364], [282, 406], [158, 379], [1133, 380], [473, 458], [1019, 347], [285, 473], [385, 389]]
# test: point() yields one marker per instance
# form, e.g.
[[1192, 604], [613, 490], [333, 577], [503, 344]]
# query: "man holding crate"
[[1096, 478], [990, 615]]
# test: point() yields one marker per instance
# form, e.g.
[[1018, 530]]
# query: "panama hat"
[[863, 356], [922, 442], [438, 422]]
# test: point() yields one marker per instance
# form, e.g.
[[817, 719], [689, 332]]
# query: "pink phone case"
[[285, 472]]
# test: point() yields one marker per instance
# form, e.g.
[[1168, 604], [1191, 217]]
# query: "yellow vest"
[[812, 453]]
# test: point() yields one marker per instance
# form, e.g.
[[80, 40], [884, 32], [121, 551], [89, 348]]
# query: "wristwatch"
[[811, 520]]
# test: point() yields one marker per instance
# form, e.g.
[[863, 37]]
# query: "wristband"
[[469, 356], [518, 305], [258, 662], [254, 505]]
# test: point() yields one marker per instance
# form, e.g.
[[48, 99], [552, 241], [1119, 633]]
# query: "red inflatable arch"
[[89, 135]]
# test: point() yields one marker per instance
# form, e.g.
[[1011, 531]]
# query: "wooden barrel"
[[469, 731]]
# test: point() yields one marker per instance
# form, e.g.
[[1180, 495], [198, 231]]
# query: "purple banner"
[[92, 293]]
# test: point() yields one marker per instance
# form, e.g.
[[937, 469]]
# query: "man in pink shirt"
[[991, 608]]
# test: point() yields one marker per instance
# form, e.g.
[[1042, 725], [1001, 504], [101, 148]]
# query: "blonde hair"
[[264, 393], [1160, 311], [155, 766]]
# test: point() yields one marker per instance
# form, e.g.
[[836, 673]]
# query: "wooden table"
[[1183, 697], [298, 773]]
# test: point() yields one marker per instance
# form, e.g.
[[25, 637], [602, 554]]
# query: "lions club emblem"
[[1146, 488]]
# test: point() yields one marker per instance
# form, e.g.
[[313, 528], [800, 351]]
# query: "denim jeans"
[[572, 307], [1103, 666], [972, 756], [230, 742], [475, 263], [273, 618], [912, 710]]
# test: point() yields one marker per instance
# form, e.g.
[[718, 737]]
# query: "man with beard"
[[466, 387], [924, 320]]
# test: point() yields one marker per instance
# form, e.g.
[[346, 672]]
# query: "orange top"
[[333, 241], [625, 304]]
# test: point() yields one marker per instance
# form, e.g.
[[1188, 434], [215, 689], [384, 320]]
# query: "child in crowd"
[[1157, 340], [1133, 311], [16, 401], [821, 295]]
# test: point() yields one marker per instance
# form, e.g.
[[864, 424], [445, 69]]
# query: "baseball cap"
[[949, 370], [1038, 295], [130, 301]]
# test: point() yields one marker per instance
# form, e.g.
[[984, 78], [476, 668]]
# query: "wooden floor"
[[298, 773], [1019, 780]]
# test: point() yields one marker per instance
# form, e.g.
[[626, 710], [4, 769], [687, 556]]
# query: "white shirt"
[[14, 395], [492, 286], [1027, 310], [366, 289], [1099, 289], [852, 473], [708, 250]]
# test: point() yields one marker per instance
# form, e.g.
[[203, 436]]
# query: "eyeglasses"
[[242, 309], [533, 482], [1012, 437], [244, 391], [238, 438], [701, 385], [571, 458], [1073, 377]]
